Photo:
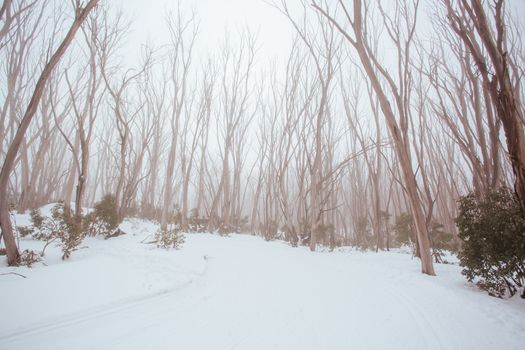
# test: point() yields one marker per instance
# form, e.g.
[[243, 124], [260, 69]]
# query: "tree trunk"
[[5, 221]]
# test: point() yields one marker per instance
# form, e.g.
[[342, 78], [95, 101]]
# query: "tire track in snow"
[[428, 330], [73, 319]]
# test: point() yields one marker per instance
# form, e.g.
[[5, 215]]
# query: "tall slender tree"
[[81, 12]]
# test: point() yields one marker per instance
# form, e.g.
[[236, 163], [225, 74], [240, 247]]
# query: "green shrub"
[[363, 237], [107, 211], [62, 226], [404, 229], [104, 219], [36, 218], [492, 229], [441, 241], [68, 232]]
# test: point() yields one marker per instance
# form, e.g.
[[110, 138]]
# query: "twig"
[[13, 273], [144, 240]]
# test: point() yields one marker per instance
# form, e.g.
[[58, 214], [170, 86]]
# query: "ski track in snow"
[[95, 313], [243, 293]]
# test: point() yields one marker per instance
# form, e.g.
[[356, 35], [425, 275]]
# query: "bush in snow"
[[60, 226], [363, 238], [404, 229], [28, 258], [492, 229], [42, 229], [104, 219], [240, 225], [441, 241], [197, 223], [68, 232], [172, 237], [326, 235], [405, 234]]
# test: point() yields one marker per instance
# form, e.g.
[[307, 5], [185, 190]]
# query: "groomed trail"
[[240, 292]]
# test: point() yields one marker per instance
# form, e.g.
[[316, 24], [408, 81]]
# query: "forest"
[[388, 124], [364, 188]]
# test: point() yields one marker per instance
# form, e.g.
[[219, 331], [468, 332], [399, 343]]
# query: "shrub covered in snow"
[[492, 228], [196, 223], [66, 228], [62, 226], [28, 258], [171, 237]]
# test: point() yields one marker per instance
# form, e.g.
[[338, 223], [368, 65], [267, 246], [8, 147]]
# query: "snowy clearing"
[[240, 292]]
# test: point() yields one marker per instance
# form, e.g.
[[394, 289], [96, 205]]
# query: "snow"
[[240, 292]]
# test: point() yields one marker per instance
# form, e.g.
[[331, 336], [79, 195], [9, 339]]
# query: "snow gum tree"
[[400, 30], [81, 11]]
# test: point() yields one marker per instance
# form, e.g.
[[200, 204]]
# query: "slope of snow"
[[241, 292]]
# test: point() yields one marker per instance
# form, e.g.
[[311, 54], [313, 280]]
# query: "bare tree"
[[401, 31], [81, 13], [199, 129], [484, 34], [155, 93], [84, 114], [463, 105], [237, 66], [182, 38], [322, 51]]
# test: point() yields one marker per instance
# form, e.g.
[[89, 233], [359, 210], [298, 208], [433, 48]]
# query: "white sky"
[[215, 17]]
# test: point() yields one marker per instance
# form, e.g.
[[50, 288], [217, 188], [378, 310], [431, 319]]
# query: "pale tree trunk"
[[81, 13], [200, 128], [123, 120], [373, 161], [36, 148], [168, 184], [235, 91], [85, 92], [67, 193], [495, 72], [226, 194], [322, 53], [397, 132], [209, 87], [182, 37], [155, 99], [202, 169], [463, 105]]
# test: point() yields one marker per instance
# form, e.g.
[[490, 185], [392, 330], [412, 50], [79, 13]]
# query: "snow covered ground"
[[241, 292]]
